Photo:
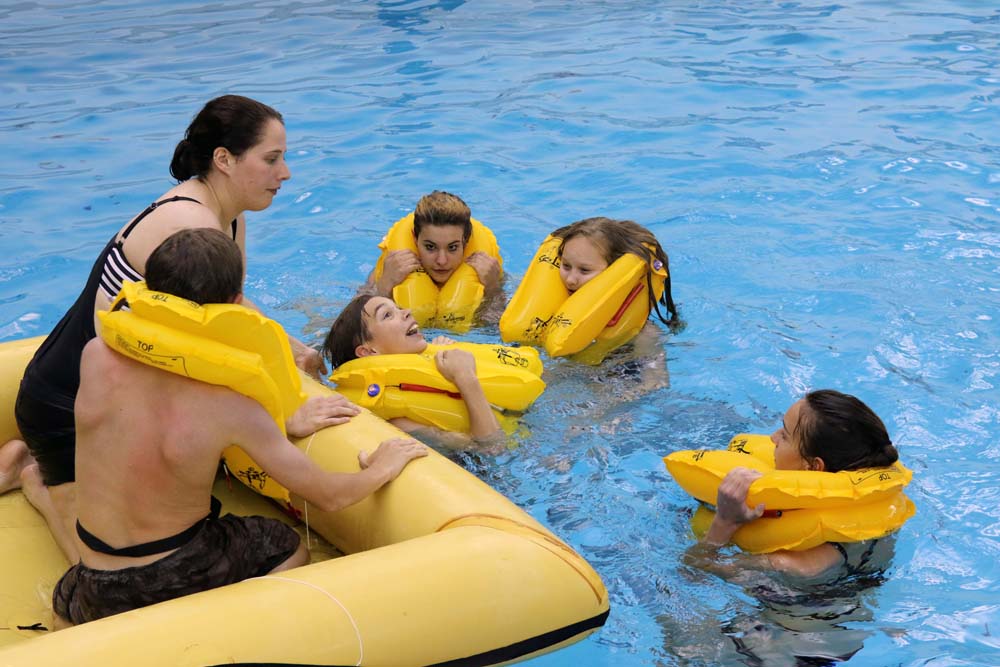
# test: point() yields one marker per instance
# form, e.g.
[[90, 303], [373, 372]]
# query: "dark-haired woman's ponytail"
[[181, 166]]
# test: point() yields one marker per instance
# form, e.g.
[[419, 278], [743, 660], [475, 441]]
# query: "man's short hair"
[[203, 265]]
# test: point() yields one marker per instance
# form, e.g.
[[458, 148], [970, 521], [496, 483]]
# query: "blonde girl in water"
[[591, 245]]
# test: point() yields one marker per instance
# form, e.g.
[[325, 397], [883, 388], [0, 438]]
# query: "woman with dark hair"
[[231, 160], [825, 431]]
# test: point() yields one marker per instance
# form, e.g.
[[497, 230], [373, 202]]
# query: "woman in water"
[[824, 431], [231, 160], [808, 607]]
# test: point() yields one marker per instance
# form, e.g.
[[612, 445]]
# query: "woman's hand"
[[731, 509], [487, 268], [319, 412], [397, 266], [442, 340], [308, 359]]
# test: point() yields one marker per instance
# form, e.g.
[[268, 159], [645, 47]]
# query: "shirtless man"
[[148, 446]]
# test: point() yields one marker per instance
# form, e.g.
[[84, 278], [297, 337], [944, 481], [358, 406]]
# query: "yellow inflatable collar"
[[453, 305], [604, 314], [409, 385], [222, 344], [804, 508]]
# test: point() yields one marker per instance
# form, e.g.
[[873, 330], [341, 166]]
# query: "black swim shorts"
[[226, 550]]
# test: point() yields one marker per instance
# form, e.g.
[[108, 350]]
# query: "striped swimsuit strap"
[[117, 268]]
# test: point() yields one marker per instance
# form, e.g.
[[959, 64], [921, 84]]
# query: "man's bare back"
[[149, 443], [148, 447]]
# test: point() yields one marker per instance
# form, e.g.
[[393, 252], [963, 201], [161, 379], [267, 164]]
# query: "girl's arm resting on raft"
[[494, 443]]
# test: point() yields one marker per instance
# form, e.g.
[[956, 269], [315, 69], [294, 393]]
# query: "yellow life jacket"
[[604, 314], [222, 344], [453, 305], [410, 385], [803, 508]]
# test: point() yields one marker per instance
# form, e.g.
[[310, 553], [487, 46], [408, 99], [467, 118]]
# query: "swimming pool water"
[[824, 177]]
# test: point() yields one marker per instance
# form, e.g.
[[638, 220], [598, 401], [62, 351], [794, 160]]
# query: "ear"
[[238, 299], [364, 351], [222, 159], [817, 464]]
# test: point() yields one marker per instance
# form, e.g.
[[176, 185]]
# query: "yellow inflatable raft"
[[604, 314], [453, 305], [440, 569], [409, 385], [803, 508]]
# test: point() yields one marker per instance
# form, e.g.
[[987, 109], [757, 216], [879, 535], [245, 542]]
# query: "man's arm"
[[261, 439], [318, 412]]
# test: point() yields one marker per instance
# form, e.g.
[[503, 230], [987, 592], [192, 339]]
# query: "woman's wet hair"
[[233, 122], [203, 265], [442, 209], [843, 431], [615, 238], [348, 331]]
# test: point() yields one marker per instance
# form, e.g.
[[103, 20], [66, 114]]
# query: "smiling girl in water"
[[374, 325]]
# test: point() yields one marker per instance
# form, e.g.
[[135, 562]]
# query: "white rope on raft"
[[357, 631], [305, 505]]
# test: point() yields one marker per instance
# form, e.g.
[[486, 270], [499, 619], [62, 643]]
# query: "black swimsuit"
[[44, 407]]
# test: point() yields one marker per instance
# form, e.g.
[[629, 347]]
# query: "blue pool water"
[[825, 177]]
